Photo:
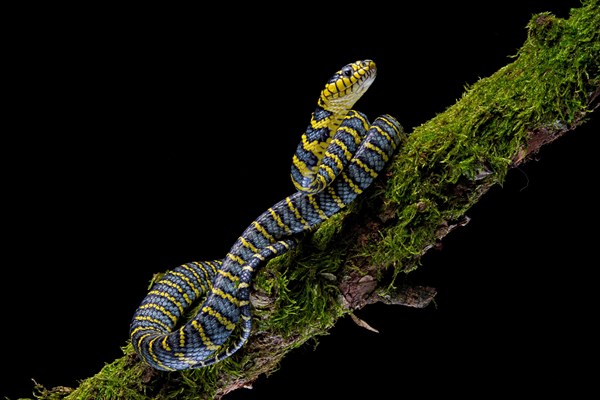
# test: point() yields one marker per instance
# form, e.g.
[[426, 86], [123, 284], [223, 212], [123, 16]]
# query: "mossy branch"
[[360, 256]]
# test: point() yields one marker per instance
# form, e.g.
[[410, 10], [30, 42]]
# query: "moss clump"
[[307, 299], [120, 379], [448, 162]]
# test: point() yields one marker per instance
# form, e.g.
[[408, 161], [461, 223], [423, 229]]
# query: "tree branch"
[[360, 257]]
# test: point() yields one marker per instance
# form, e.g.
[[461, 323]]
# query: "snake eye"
[[347, 71]]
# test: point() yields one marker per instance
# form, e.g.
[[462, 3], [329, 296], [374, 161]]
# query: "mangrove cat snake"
[[339, 156]]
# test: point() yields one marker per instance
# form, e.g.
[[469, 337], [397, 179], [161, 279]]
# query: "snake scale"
[[337, 159]]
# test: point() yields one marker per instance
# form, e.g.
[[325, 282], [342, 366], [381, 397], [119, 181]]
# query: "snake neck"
[[324, 122], [335, 102], [332, 108]]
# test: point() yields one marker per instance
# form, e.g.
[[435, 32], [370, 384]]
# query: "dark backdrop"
[[146, 138]]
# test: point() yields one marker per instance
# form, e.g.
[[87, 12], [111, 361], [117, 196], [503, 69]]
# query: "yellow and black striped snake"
[[339, 156]]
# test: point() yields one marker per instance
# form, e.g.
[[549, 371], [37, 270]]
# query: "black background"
[[145, 138]]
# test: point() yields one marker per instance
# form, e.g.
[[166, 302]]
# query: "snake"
[[338, 157]]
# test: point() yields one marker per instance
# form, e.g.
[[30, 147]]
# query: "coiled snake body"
[[339, 156]]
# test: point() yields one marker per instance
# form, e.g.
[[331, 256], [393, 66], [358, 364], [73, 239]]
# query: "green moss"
[[308, 297], [448, 161], [117, 380], [304, 288], [327, 231]]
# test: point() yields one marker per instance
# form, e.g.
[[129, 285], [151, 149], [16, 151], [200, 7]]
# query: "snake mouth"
[[363, 84]]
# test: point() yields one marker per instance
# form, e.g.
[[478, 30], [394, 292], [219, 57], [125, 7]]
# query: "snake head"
[[347, 85]]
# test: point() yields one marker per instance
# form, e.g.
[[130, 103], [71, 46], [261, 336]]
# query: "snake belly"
[[339, 155]]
